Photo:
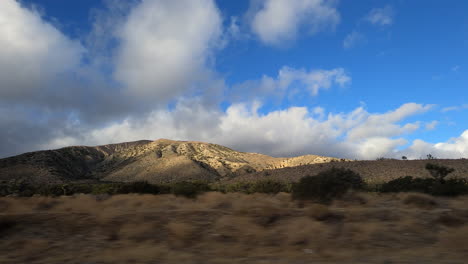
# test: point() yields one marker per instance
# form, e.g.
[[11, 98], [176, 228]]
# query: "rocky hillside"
[[154, 161], [373, 171]]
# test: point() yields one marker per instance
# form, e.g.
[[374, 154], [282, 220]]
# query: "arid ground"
[[233, 228]]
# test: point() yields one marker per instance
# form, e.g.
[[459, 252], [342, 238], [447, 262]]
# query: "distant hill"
[[376, 171], [154, 161]]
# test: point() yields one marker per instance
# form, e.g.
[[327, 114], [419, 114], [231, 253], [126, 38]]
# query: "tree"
[[404, 158], [438, 171]]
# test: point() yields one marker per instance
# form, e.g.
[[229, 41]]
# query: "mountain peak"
[[161, 160]]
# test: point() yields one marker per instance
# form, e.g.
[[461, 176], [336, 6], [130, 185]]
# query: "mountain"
[[157, 161]]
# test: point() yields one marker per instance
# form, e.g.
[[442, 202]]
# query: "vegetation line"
[[323, 187]]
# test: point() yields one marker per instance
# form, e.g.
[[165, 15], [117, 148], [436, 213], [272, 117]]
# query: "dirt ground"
[[233, 228]]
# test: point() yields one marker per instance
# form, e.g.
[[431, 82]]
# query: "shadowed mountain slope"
[[154, 161]]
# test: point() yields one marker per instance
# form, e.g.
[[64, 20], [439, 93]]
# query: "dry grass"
[[233, 228], [419, 200]]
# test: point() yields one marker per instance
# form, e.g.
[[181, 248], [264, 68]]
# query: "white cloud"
[[454, 108], [352, 39], [33, 53], [165, 51], [432, 125], [450, 108], [376, 147], [276, 21], [313, 80], [458, 146], [289, 82], [381, 16], [166, 46], [43, 76], [454, 148], [292, 131], [234, 30], [385, 125]]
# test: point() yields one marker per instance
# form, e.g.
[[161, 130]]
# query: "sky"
[[351, 79]]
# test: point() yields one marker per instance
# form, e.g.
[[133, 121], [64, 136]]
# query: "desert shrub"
[[64, 189], [408, 184], [106, 188], [18, 188], [439, 172], [164, 188], [4, 189], [241, 187], [268, 186], [52, 190], [451, 187], [261, 186], [327, 185], [138, 187], [189, 189], [81, 188]]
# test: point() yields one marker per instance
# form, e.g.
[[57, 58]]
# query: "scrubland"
[[234, 228]]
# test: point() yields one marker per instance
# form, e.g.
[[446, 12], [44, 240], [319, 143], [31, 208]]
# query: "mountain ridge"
[[162, 160]]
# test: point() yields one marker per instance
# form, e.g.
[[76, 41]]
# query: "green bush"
[[268, 186], [327, 185], [189, 189]]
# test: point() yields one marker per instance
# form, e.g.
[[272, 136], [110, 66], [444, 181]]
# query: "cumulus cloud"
[[165, 47], [357, 134], [291, 81], [43, 75], [161, 54], [32, 54], [381, 16], [42, 68], [454, 148], [276, 21], [385, 125]]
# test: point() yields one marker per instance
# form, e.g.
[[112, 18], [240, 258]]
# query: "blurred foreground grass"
[[234, 228]]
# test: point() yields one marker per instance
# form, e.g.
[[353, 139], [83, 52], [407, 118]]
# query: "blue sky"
[[356, 79]]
